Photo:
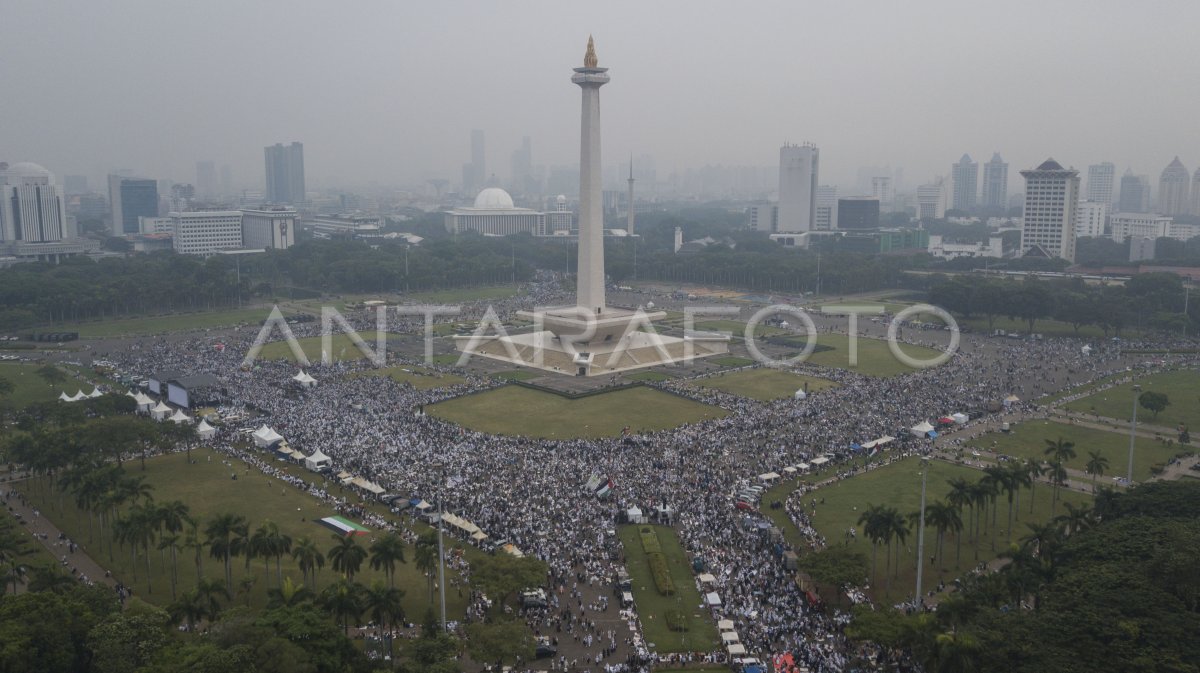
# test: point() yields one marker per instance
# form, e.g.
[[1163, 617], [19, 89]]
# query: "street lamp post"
[[921, 530], [1137, 390], [441, 472]]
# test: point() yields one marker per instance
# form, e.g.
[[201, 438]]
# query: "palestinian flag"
[[604, 488]]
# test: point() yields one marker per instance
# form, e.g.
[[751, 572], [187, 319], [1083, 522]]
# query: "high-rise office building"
[[31, 206], [522, 168], [1174, 186], [762, 217], [129, 199], [1196, 193], [798, 170], [1135, 194], [858, 212], [206, 232], [206, 179], [827, 213], [1101, 177], [1090, 219], [285, 173], [932, 200], [273, 227], [995, 183], [881, 188], [965, 176], [1051, 202]]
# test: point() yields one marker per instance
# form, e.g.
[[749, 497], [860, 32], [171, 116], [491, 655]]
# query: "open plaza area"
[[1182, 389]]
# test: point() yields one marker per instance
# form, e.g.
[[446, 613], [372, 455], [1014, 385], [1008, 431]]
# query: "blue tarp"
[[932, 434], [856, 446]]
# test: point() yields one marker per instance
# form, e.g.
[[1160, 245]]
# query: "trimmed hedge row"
[[661, 573], [650, 543]]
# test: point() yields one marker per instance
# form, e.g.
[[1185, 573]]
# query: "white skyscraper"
[[995, 183], [1090, 217], [798, 169], [827, 200], [931, 200], [31, 206], [1196, 193], [965, 176], [1101, 178], [881, 188], [1051, 202], [206, 232], [1173, 187]]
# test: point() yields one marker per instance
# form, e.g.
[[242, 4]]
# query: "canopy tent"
[[1086, 350], [819, 460], [295, 455], [876, 443], [960, 419], [735, 649], [799, 395], [318, 461], [769, 477], [180, 417], [634, 514], [160, 411], [283, 450], [729, 637], [304, 379], [348, 480], [204, 430], [725, 625], [421, 505], [343, 526], [64, 397], [707, 578], [479, 536], [129, 393], [343, 474], [144, 401], [945, 420], [1011, 399], [804, 467], [368, 486], [264, 437], [512, 550], [855, 446], [921, 428], [95, 393], [932, 434], [712, 599], [81, 395], [790, 469]]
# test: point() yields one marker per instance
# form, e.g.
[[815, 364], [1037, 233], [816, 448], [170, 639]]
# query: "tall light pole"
[[441, 475], [921, 530], [1137, 391], [1187, 291]]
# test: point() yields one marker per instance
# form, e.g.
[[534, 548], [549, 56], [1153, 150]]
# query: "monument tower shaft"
[[590, 281]]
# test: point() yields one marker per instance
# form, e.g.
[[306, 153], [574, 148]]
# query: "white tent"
[[769, 477], [129, 393], [790, 469], [725, 625], [1010, 399], [735, 649], [729, 637], [304, 379], [799, 395], [707, 579], [820, 460], [144, 401], [81, 395], [180, 417], [1086, 350], [95, 393], [803, 467], [160, 411], [635, 515], [365, 485], [205, 430], [265, 436], [479, 536], [960, 419], [318, 461], [921, 428], [712, 599], [65, 397]]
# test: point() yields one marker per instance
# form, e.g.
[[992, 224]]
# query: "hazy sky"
[[387, 92]]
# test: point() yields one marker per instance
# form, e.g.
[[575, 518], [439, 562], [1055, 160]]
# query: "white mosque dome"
[[562, 198], [25, 169], [494, 198]]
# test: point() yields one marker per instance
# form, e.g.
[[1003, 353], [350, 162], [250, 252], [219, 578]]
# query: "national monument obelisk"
[[590, 338]]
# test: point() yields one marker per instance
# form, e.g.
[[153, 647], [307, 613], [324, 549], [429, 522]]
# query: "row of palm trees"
[[968, 505]]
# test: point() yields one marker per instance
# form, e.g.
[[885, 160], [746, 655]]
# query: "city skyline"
[[417, 128]]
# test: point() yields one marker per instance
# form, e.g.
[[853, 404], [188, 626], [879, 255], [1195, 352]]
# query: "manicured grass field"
[[738, 329], [341, 348], [1046, 327], [874, 357], [447, 359], [458, 295], [208, 489], [418, 377], [170, 323], [1028, 440], [28, 387], [652, 606], [890, 307], [764, 384], [899, 485], [515, 410], [1182, 388], [731, 361]]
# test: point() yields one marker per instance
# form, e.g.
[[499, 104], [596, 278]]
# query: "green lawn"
[[890, 307], [459, 295], [649, 376], [170, 323], [418, 377], [1028, 440], [515, 410], [652, 606], [1046, 327], [1182, 388], [28, 387], [899, 485], [341, 348], [207, 488], [1092, 385], [765, 384], [874, 357], [447, 359], [731, 361], [737, 328]]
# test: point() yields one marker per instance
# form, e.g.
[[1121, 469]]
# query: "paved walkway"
[[78, 563]]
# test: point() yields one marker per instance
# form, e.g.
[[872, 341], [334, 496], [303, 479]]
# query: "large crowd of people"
[[531, 492]]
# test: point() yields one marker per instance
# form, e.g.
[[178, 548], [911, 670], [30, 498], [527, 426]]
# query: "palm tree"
[[308, 557], [189, 607], [959, 497], [241, 542], [269, 542], [1096, 464], [172, 516], [981, 493], [342, 600], [900, 529], [1019, 475], [211, 590], [1076, 519], [1058, 477], [870, 521], [347, 556], [384, 605], [171, 541], [1060, 449], [1035, 470], [426, 561], [246, 587], [192, 540], [219, 536], [288, 594], [385, 553], [943, 517]]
